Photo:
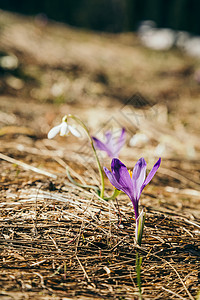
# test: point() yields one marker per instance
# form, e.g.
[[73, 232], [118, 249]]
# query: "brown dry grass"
[[59, 241]]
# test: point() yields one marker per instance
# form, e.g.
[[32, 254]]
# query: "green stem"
[[93, 148], [138, 271], [140, 227], [86, 186], [114, 195]]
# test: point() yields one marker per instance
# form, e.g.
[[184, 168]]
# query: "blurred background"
[[114, 15]]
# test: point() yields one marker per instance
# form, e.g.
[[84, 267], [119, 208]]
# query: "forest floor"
[[58, 240]]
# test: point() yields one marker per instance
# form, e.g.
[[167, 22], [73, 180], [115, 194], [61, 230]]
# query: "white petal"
[[64, 129], [54, 131], [74, 131]]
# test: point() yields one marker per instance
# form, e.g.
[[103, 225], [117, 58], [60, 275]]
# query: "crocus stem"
[[140, 227], [138, 272], [93, 148]]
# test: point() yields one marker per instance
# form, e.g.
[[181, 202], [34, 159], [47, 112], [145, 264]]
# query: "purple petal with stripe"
[[103, 147], [121, 140], [122, 176], [112, 179], [138, 177], [152, 173], [108, 136], [99, 144]]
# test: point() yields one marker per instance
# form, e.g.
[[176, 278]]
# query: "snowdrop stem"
[[93, 148]]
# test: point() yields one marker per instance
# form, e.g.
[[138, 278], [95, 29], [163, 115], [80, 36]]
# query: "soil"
[[59, 240]]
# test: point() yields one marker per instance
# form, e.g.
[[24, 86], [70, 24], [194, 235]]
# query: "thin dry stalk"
[[26, 166]]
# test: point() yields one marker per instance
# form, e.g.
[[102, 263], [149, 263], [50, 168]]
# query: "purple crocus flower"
[[131, 183], [111, 145]]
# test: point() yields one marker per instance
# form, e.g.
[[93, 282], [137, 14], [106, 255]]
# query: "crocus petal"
[[116, 144], [54, 131], [138, 177], [108, 136], [122, 176], [111, 146], [152, 173], [112, 179], [110, 142], [74, 131], [101, 146], [64, 129], [121, 140]]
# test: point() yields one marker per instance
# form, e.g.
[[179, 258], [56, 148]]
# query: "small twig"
[[188, 232], [41, 277], [181, 280], [173, 293], [57, 270], [61, 162], [119, 220], [118, 243], [82, 228], [41, 280], [86, 275], [190, 222], [86, 186], [38, 263], [78, 237], [35, 220], [26, 166], [54, 242]]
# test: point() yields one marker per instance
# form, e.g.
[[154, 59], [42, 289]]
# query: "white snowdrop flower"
[[64, 129]]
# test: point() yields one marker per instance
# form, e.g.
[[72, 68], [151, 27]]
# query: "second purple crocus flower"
[[112, 145], [133, 185]]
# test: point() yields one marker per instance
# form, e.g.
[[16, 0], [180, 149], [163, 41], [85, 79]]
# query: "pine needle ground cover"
[[59, 240]]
